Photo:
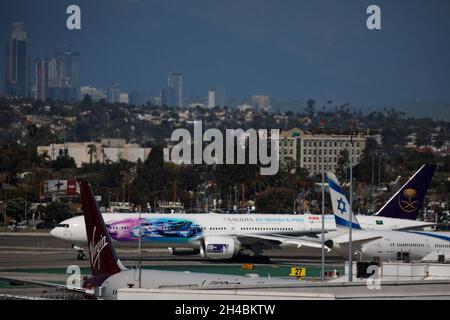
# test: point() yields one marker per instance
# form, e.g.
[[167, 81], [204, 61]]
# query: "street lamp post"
[[375, 153], [322, 275], [350, 253], [373, 181], [4, 207]]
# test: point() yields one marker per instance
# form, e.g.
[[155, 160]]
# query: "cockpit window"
[[63, 225]]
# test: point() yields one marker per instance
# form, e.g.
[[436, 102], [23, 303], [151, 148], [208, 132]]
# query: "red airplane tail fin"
[[102, 255]]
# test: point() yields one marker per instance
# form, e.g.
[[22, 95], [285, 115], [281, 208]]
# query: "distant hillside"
[[419, 109]]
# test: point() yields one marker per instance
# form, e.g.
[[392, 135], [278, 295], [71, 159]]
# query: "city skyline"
[[291, 58]]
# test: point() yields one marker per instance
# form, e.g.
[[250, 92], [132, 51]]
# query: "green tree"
[[275, 199], [56, 212], [91, 150]]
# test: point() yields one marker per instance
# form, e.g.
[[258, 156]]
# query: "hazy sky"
[[287, 49]]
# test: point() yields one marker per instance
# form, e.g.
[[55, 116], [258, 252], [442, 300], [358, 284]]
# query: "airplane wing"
[[434, 256], [357, 243], [277, 241], [48, 285], [419, 227]]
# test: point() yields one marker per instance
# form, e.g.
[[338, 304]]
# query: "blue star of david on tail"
[[341, 206]]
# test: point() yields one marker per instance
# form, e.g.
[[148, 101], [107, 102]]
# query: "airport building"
[[108, 150], [305, 148]]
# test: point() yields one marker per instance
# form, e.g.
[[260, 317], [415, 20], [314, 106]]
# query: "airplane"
[[214, 236], [381, 244], [109, 274], [402, 209], [224, 236]]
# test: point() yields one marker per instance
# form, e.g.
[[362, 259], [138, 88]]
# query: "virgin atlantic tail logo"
[[96, 248]]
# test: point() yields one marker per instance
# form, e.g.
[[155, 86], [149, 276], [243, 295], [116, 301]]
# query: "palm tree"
[[92, 148]]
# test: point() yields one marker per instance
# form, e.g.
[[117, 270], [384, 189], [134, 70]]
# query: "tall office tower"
[[124, 98], [211, 98], [220, 96], [261, 103], [113, 93], [175, 81], [168, 97], [216, 97], [17, 63], [55, 79], [42, 79], [71, 73], [135, 98]]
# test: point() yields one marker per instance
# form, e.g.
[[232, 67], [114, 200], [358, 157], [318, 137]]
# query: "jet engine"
[[219, 247]]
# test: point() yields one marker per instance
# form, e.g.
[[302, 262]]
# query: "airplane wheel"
[[81, 256]]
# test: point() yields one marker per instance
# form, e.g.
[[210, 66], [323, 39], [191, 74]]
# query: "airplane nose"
[[54, 232]]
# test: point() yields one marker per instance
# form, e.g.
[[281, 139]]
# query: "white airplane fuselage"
[[390, 245], [157, 278], [186, 230]]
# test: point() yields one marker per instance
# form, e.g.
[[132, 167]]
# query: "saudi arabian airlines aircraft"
[[215, 236], [383, 245], [402, 209], [223, 236], [109, 274]]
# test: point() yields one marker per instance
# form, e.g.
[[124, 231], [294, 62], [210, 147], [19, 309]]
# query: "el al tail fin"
[[102, 255], [341, 207], [408, 200]]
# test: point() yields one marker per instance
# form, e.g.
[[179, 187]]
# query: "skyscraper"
[[211, 98], [57, 78], [17, 63], [71, 73], [42, 79], [168, 97], [113, 93], [261, 103], [175, 81], [216, 97]]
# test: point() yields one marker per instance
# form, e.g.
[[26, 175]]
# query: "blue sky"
[[286, 49]]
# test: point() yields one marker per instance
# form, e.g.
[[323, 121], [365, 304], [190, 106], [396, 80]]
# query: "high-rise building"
[[70, 61], [62, 76], [113, 93], [216, 97], [94, 93], [220, 96], [135, 98], [211, 98], [42, 79], [17, 63], [124, 98], [261, 102], [175, 81], [168, 97]]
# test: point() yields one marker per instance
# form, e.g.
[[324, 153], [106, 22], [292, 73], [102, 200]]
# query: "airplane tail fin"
[[102, 255], [340, 204], [407, 201]]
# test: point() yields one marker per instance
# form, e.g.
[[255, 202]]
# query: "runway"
[[41, 257]]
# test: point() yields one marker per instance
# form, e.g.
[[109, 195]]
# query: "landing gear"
[[81, 256]]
